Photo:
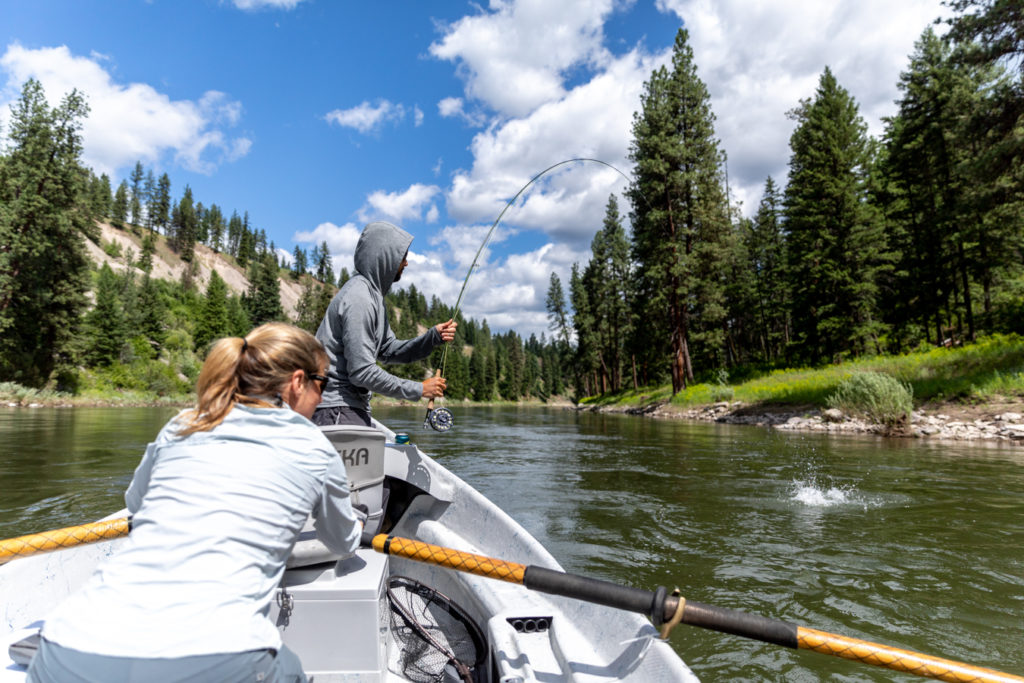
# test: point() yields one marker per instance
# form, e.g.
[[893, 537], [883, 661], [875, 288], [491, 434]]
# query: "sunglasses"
[[319, 379]]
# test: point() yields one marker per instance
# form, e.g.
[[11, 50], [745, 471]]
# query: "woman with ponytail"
[[217, 504]]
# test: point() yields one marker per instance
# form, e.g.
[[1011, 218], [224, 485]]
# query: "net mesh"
[[437, 641]]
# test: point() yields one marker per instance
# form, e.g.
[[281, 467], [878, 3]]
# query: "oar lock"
[[666, 604]]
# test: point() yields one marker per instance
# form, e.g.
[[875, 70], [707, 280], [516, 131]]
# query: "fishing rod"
[[666, 610], [442, 419]]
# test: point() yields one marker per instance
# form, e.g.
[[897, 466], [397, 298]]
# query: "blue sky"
[[318, 116]]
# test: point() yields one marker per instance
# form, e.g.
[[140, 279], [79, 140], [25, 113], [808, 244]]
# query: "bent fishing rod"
[[441, 419]]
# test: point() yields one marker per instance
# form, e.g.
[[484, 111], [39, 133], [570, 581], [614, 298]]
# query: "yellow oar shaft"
[[447, 557], [662, 608], [48, 541], [896, 659]]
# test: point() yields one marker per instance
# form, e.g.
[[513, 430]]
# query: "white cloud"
[[341, 242], [398, 206], [453, 107], [367, 117], [417, 115], [592, 120], [129, 123], [515, 58], [510, 295], [759, 59]]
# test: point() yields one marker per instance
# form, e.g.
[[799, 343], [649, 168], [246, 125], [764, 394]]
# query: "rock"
[[1008, 417], [833, 415]]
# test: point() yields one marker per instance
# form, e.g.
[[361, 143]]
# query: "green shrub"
[[877, 396]]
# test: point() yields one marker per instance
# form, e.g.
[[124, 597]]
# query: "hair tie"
[[245, 344]]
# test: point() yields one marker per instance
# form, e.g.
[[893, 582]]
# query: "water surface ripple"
[[911, 544]]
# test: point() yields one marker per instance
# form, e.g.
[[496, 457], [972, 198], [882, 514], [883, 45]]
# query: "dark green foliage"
[[558, 316], [681, 231], [106, 323], [119, 206], [184, 226], [136, 198], [44, 212], [766, 258], [263, 300], [214, 321], [300, 262], [836, 244]]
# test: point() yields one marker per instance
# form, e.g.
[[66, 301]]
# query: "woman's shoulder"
[[281, 425]]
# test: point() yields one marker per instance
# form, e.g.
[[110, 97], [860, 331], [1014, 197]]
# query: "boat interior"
[[372, 617]]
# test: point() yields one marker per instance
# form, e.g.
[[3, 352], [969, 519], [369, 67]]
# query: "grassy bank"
[[991, 369]]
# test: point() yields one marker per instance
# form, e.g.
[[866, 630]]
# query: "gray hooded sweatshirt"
[[355, 329]]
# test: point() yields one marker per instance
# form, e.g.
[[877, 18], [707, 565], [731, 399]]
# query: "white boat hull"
[[329, 624]]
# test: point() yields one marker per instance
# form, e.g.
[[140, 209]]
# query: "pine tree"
[[149, 192], [558, 316], [100, 196], [836, 244], [263, 301], [152, 311], [766, 254], [119, 206], [306, 314], [324, 265], [43, 216], [215, 227], [185, 226], [606, 279], [136, 200], [162, 204], [299, 262], [214, 321], [681, 230], [106, 322]]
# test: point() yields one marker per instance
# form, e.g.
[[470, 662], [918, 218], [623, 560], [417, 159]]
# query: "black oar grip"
[[650, 603], [740, 624]]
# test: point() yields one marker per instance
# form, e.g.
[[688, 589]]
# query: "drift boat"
[[377, 616]]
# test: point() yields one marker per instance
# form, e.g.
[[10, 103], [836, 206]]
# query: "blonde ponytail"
[[249, 370]]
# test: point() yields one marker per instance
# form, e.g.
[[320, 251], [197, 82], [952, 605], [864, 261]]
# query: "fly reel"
[[439, 419]]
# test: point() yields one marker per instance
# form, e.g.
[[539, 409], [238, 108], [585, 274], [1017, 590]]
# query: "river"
[[913, 544]]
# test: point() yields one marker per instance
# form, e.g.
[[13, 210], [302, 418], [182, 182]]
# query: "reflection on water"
[[909, 544]]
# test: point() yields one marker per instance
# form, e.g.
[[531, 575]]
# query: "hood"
[[379, 253]]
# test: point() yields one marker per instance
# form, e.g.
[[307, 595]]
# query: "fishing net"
[[437, 641]]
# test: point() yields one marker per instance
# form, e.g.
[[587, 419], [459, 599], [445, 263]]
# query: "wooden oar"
[[668, 610], [48, 541]]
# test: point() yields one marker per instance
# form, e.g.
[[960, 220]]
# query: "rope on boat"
[[665, 610], [48, 541]]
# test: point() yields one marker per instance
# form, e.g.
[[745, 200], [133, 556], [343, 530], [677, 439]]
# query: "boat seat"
[[362, 451]]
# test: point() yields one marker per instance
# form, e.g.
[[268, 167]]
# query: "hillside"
[[168, 266]]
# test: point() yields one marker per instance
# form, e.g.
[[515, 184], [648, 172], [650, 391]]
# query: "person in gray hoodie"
[[356, 334]]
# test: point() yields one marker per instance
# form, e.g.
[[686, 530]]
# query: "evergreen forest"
[[869, 247]]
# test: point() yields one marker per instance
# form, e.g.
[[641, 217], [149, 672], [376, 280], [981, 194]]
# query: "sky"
[[317, 116]]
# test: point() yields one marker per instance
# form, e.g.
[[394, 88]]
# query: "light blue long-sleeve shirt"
[[214, 517]]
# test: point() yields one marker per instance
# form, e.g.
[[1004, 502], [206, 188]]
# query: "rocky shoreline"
[[991, 423]]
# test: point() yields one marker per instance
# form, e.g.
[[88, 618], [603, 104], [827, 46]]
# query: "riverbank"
[[997, 421]]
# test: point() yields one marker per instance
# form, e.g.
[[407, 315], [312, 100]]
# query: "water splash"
[[813, 494]]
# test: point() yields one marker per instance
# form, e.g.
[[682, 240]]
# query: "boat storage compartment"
[[326, 615], [362, 451]]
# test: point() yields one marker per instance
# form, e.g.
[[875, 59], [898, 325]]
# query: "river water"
[[912, 544]]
